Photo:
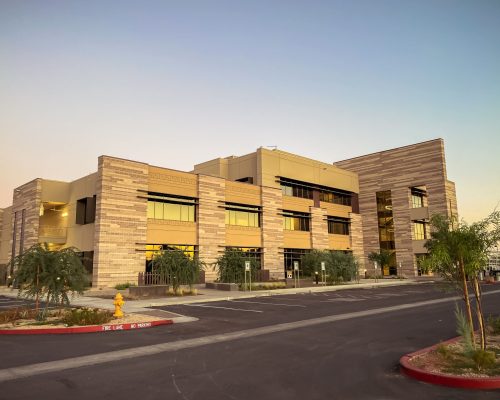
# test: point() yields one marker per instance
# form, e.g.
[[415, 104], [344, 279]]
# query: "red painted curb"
[[87, 329], [443, 379]]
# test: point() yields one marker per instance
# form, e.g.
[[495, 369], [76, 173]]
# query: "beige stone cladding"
[[356, 239], [272, 232], [26, 200], [398, 170], [121, 221], [211, 222], [319, 228]]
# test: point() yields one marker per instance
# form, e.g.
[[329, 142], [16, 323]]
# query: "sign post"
[[323, 273], [296, 274], [375, 265], [249, 271]]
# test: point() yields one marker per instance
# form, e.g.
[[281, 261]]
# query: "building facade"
[[399, 190], [272, 205]]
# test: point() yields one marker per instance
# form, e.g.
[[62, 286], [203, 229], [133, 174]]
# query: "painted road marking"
[[223, 308], [271, 304], [25, 371]]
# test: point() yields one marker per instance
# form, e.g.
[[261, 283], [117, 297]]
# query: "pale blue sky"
[[175, 83]]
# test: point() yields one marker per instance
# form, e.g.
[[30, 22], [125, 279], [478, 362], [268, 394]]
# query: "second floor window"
[[419, 230], [242, 215], [338, 226], [171, 208], [295, 221]]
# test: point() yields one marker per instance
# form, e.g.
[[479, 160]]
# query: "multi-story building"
[[399, 190], [273, 205]]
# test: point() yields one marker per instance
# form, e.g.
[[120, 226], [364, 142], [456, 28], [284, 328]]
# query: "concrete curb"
[[444, 379], [97, 328]]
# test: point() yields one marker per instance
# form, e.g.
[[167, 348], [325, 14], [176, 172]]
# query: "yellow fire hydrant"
[[118, 305]]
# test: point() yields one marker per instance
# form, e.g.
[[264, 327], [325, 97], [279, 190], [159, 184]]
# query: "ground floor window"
[[253, 253], [152, 249], [291, 255]]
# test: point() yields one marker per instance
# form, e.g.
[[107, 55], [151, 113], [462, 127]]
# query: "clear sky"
[[175, 83]]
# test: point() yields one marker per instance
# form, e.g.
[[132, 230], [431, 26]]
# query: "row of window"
[[171, 211], [239, 215], [305, 191]]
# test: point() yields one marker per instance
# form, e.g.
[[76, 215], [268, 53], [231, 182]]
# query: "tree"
[[177, 267], [458, 252], [311, 262], [231, 266], [53, 274], [383, 258], [339, 266]]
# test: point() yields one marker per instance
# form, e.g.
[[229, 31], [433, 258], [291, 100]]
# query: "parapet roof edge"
[[394, 148]]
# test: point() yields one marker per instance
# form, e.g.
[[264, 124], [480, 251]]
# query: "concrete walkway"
[[210, 295]]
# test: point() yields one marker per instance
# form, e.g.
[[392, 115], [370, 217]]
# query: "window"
[[242, 215], [338, 226], [290, 189], [253, 253], [419, 230], [291, 255], [385, 220], [85, 210], [335, 197], [153, 249], [172, 208], [417, 196], [295, 221]]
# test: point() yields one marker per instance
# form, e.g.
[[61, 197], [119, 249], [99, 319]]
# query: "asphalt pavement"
[[335, 345]]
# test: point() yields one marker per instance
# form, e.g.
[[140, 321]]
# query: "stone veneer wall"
[[272, 232], [356, 239], [319, 228], [121, 221], [398, 170], [26, 197], [211, 221]]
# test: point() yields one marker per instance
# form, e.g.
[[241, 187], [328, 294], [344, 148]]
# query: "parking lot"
[[339, 344]]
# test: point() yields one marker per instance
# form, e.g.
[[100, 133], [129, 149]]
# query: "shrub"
[[494, 325], [123, 286], [177, 267], [87, 316], [17, 313], [231, 266], [483, 359]]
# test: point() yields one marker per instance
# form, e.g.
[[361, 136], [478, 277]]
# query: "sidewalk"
[[210, 295]]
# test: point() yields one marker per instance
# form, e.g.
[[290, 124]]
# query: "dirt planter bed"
[[129, 322], [438, 378]]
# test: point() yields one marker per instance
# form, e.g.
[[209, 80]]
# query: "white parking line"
[[272, 304], [223, 308]]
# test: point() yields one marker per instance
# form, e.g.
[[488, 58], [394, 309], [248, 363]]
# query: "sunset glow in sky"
[[175, 83]]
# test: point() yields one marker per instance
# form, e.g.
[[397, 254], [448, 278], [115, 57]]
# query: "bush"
[[87, 316], [177, 267], [483, 359], [494, 325], [231, 266], [16, 314], [123, 286]]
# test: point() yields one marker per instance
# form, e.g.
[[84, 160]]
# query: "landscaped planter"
[[229, 287]]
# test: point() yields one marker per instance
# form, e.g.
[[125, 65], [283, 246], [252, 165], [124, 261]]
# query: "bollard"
[[118, 305]]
